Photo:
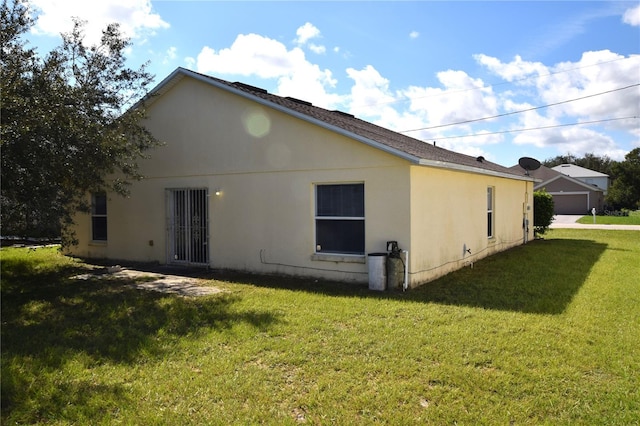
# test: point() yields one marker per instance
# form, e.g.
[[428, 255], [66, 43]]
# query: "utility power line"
[[541, 127], [520, 111]]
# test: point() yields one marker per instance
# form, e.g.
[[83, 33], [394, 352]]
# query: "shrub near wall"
[[543, 209]]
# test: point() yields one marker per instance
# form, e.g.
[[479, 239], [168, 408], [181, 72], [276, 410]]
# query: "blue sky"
[[502, 79]]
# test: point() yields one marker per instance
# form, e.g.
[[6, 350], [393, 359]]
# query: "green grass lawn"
[[545, 333], [632, 219]]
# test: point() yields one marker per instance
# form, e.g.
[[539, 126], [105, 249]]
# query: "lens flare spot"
[[257, 123]]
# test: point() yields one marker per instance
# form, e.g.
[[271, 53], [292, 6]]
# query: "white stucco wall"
[[449, 215], [265, 164]]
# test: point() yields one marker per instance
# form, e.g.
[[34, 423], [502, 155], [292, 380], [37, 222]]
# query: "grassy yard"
[[632, 219], [545, 333]]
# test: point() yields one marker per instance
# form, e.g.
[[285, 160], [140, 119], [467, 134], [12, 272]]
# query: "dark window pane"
[[340, 200], [99, 228], [489, 224], [99, 204], [340, 236]]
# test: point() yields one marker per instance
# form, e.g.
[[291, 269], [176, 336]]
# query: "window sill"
[[97, 243], [338, 258]]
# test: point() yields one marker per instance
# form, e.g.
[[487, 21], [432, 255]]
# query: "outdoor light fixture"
[[218, 192]]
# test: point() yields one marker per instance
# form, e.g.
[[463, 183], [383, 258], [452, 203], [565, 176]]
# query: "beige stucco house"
[[247, 180]]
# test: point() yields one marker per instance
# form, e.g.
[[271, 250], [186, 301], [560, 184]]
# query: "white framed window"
[[490, 208], [339, 218], [99, 217]]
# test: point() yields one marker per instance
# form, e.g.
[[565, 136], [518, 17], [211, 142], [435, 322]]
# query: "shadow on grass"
[[49, 319], [541, 277]]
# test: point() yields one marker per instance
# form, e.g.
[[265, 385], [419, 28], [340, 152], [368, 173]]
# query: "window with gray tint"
[[340, 218], [99, 217], [490, 212]]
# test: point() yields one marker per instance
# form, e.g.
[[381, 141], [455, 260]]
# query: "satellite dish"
[[529, 164]]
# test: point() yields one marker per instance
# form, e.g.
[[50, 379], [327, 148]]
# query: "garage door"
[[570, 203]]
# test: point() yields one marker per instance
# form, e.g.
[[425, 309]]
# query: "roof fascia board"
[[469, 169], [553, 179], [167, 83]]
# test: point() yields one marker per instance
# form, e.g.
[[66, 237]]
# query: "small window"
[[99, 217], [490, 217], [340, 218]]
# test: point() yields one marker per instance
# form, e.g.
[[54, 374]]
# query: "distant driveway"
[[565, 218], [569, 221]]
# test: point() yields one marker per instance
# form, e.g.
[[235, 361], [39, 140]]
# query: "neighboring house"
[[570, 195], [251, 181], [590, 177]]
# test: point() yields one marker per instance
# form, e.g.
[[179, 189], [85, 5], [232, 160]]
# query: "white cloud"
[[574, 139], [251, 54], [319, 49], [573, 80], [170, 55], [306, 33], [414, 34], [632, 16], [461, 98], [256, 55], [514, 70], [415, 108], [369, 93], [136, 17], [595, 74], [310, 83]]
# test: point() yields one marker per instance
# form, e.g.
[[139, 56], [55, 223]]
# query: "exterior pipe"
[[405, 285]]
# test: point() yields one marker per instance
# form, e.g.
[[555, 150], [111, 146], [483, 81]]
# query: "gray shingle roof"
[[421, 152]]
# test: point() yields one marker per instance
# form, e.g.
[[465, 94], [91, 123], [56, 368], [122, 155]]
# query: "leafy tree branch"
[[68, 126]]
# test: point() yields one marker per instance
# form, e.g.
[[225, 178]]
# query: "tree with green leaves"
[[68, 128], [543, 211], [590, 161], [624, 192], [559, 159]]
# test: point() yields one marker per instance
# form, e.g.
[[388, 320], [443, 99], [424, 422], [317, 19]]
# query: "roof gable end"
[[408, 148], [568, 179]]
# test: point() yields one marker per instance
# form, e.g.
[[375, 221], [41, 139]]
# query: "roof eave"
[[167, 83], [477, 170]]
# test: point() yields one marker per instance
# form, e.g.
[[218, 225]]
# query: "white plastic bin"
[[377, 271]]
